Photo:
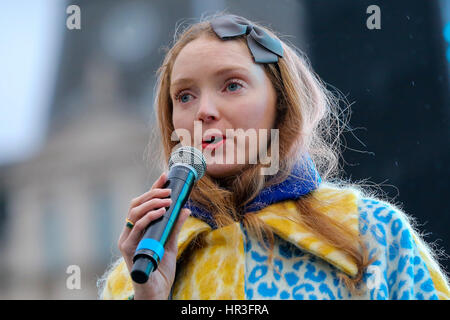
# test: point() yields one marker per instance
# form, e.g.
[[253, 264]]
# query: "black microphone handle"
[[151, 247]]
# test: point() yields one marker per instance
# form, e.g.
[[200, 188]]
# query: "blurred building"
[[67, 204]]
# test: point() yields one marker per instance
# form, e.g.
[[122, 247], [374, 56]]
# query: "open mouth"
[[212, 142]]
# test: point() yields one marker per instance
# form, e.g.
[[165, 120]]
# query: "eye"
[[234, 86], [182, 97]]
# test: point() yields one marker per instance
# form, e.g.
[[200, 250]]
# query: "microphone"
[[186, 166]]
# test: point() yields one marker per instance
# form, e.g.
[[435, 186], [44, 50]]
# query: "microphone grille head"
[[190, 156]]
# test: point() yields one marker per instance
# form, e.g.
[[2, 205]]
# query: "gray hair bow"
[[263, 47]]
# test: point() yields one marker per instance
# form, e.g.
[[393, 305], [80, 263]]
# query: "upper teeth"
[[214, 139]]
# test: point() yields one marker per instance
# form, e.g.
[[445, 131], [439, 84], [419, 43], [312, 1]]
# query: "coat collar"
[[303, 179], [336, 203]]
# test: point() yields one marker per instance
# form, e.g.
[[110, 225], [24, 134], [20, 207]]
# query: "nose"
[[207, 111]]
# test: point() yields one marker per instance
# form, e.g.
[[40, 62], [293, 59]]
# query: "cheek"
[[256, 113], [183, 126], [177, 121], [176, 115], [182, 119]]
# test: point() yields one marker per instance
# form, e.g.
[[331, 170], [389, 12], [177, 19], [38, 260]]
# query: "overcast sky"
[[29, 49]]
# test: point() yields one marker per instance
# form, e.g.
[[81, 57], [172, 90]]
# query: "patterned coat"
[[231, 264]]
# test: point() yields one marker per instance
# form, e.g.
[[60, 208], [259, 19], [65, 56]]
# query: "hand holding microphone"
[[150, 247]]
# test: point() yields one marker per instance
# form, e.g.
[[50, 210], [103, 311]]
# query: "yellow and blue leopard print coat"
[[231, 264]]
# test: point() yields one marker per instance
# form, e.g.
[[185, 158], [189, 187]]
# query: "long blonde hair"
[[309, 123]]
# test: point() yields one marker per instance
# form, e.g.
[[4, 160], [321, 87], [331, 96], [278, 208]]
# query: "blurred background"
[[76, 115]]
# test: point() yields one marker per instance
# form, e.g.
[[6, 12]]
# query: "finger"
[[137, 213], [124, 235], [139, 227], [160, 181], [173, 238], [152, 193]]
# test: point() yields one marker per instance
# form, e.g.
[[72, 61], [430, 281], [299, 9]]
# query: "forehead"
[[208, 53]]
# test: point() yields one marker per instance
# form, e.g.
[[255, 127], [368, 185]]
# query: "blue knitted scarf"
[[303, 179]]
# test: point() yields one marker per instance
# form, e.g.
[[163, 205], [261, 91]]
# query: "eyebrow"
[[219, 72]]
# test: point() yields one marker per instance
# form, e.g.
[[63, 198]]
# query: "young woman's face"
[[217, 84]]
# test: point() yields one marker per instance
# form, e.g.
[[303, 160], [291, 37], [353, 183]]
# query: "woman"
[[247, 232]]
